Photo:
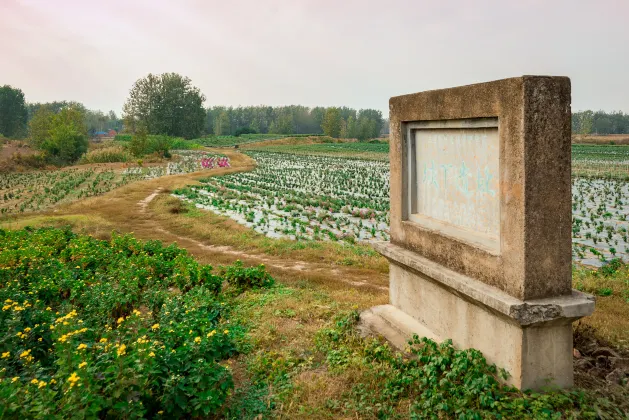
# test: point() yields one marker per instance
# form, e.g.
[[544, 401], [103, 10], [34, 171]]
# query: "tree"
[[165, 104], [13, 113], [139, 142], [40, 126], [62, 136], [352, 131], [221, 124], [332, 122]]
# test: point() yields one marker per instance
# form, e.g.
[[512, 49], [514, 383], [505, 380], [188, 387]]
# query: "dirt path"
[[295, 266]]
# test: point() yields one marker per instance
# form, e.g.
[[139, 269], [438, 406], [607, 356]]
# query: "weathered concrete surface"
[[533, 356], [408, 295], [534, 258], [484, 257]]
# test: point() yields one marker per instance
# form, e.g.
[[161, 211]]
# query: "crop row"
[[303, 197], [330, 198]]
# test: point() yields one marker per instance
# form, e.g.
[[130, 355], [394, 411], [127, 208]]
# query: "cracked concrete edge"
[[557, 309]]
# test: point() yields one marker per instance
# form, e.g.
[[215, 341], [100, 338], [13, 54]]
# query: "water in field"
[[337, 199], [599, 220]]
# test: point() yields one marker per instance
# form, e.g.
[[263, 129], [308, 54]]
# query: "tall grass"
[[107, 155]]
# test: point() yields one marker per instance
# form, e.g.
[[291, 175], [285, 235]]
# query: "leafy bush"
[[242, 278], [244, 130], [123, 137], [61, 136], [110, 329], [107, 155]]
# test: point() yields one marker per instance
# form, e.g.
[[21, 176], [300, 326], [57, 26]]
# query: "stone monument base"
[[532, 339]]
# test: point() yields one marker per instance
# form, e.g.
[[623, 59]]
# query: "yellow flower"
[[151, 354], [25, 353], [102, 340], [73, 379], [211, 333], [82, 364], [160, 412], [120, 320], [41, 384], [122, 350], [34, 381], [226, 332], [6, 354], [52, 381], [49, 308], [81, 346], [136, 312], [27, 329], [155, 327], [197, 339], [15, 378]]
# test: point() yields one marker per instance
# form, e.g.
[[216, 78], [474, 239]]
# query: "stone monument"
[[481, 226]]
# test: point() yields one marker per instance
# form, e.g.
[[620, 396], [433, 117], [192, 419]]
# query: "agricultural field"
[[303, 197], [361, 150], [230, 141], [601, 161], [326, 198], [22, 192]]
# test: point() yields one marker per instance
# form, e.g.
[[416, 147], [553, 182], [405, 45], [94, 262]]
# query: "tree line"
[[338, 122], [169, 104], [600, 122]]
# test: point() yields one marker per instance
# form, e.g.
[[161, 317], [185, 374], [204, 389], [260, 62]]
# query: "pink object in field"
[[211, 162]]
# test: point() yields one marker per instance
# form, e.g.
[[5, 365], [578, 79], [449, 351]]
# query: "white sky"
[[320, 52]]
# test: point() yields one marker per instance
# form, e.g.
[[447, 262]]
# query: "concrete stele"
[[480, 247]]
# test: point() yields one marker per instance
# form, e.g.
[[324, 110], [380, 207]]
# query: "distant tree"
[[62, 136], [13, 112], [222, 124], [352, 131], [332, 122], [165, 104], [344, 132]]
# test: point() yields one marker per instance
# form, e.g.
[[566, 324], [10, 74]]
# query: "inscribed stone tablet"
[[457, 180]]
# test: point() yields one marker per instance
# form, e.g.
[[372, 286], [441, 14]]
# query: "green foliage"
[[115, 329], [13, 113], [139, 142], [227, 141], [600, 122], [242, 278], [62, 136], [293, 119], [165, 104], [438, 381], [123, 137], [244, 130], [332, 123]]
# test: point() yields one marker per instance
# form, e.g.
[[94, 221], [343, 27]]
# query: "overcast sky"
[[319, 52]]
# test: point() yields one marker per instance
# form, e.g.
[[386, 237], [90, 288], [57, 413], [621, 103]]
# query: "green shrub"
[[242, 278], [123, 137], [110, 329]]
